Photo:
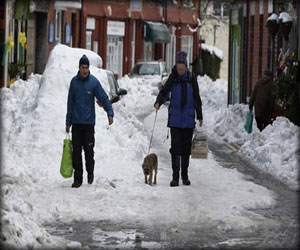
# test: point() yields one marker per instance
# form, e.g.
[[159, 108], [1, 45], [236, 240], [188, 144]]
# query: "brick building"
[[251, 47], [43, 23], [123, 32]]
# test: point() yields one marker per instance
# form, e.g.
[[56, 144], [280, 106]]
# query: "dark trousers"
[[83, 137], [261, 123], [181, 143], [178, 161]]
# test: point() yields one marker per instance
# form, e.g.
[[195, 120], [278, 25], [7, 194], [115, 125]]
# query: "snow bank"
[[34, 194], [285, 17], [275, 149], [33, 114], [273, 17]]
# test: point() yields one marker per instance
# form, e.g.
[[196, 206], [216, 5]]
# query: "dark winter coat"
[[185, 99], [81, 100], [262, 98]]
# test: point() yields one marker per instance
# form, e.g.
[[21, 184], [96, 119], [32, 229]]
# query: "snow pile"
[[212, 50], [20, 227], [275, 149], [34, 193], [285, 17], [33, 114], [273, 17]]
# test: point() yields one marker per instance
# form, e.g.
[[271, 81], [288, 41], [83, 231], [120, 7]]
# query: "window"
[[251, 54], [148, 51], [270, 6], [136, 5], [260, 52], [133, 44], [95, 46], [88, 40], [58, 17], [113, 84], [261, 7], [114, 54], [217, 9], [171, 52], [221, 9], [187, 47], [226, 8]]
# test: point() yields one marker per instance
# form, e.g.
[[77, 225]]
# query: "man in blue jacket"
[[84, 87], [184, 104]]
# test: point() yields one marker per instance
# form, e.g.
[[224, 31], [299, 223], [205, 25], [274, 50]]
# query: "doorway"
[[41, 42]]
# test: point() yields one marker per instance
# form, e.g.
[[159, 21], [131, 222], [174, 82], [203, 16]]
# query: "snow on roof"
[[285, 17], [273, 17], [213, 50]]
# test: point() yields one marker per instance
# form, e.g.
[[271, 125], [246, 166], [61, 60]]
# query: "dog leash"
[[152, 132]]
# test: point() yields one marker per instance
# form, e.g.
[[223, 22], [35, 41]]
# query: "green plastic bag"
[[249, 121], [66, 167]]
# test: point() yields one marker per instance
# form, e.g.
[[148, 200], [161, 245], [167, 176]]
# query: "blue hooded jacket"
[[185, 100], [81, 100]]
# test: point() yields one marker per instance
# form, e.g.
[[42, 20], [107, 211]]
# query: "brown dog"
[[150, 164]]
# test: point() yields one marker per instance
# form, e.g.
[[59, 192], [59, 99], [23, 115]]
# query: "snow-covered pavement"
[[34, 194]]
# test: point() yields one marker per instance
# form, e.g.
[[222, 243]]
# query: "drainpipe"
[[245, 63], [80, 24]]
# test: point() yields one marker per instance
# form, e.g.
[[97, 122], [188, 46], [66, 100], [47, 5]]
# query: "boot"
[[76, 184], [185, 159], [90, 178], [175, 168]]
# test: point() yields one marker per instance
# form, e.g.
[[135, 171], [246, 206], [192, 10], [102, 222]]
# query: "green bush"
[[16, 69], [288, 92]]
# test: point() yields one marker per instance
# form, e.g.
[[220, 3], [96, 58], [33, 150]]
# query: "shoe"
[[174, 183], [186, 182], [90, 178], [76, 184]]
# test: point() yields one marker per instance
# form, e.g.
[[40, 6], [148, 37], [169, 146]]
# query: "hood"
[[265, 80]]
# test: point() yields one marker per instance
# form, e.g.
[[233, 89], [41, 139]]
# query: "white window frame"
[[261, 7], [148, 51], [133, 44], [221, 10], [252, 8], [187, 47], [171, 51], [270, 6], [88, 42], [58, 20], [95, 46], [114, 54]]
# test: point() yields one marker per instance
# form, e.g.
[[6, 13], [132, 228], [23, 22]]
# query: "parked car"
[[151, 69], [110, 85], [72, 56]]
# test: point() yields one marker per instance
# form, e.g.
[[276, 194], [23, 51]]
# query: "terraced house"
[[121, 32]]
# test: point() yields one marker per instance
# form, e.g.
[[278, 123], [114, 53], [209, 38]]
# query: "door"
[[114, 54], [41, 42]]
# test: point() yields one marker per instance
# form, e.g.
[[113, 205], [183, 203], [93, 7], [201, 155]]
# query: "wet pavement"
[[108, 235]]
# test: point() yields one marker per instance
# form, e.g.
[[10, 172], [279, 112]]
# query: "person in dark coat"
[[185, 103], [262, 99], [84, 88]]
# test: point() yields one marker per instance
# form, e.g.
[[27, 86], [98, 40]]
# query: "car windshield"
[[112, 83], [146, 69]]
